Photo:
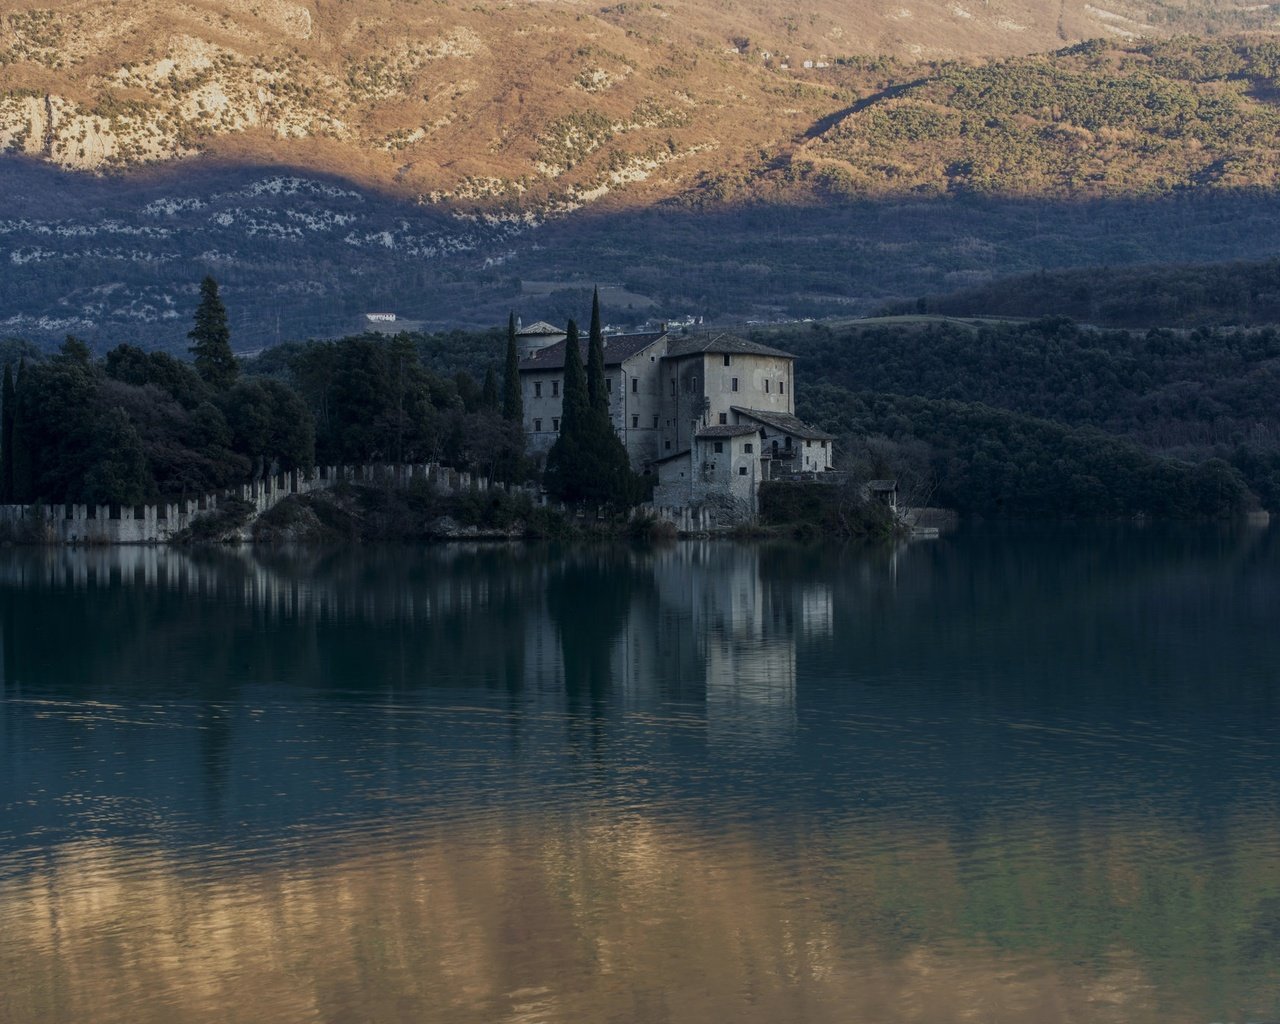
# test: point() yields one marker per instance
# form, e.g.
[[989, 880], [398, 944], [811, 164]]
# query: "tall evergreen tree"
[[489, 392], [588, 464], [8, 397], [23, 457], [564, 461], [510, 466], [211, 339], [596, 387], [573, 415], [512, 399]]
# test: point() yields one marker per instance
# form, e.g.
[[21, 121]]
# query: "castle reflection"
[[701, 620], [1001, 777]]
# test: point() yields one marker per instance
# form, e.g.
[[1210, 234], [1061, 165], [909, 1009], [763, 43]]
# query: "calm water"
[[1012, 775]]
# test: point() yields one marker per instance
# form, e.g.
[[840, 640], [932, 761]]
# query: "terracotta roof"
[[617, 347], [786, 423], [729, 430], [721, 343]]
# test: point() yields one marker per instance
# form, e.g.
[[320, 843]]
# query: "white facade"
[[712, 415]]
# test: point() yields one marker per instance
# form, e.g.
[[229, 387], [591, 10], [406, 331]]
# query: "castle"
[[712, 416]]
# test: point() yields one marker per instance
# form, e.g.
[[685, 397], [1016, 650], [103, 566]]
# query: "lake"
[[1014, 774]]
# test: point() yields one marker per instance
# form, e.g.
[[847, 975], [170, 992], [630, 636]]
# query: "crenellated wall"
[[159, 523]]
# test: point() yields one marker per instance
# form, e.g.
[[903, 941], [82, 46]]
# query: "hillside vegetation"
[[1205, 295], [1194, 397], [1086, 121]]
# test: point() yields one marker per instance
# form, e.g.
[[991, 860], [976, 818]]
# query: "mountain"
[[451, 161], [498, 100]]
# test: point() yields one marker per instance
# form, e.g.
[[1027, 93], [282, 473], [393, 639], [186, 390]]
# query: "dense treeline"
[[1205, 295], [987, 461], [1195, 395], [374, 399], [138, 426]]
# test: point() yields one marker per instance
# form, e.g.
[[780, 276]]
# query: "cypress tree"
[[24, 470], [512, 400], [588, 463], [6, 437], [511, 463], [573, 417], [489, 393], [211, 339], [565, 461], [596, 388]]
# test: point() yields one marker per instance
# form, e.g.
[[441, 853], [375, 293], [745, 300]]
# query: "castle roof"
[[728, 430], [540, 329], [716, 344], [617, 349], [786, 423]]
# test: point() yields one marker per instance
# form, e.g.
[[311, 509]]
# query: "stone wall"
[[159, 523]]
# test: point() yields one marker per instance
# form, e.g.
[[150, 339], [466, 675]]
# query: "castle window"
[[635, 384], [742, 471], [555, 388], [724, 418], [668, 446], [766, 386], [555, 424], [655, 423], [608, 384], [537, 426], [733, 385], [537, 389], [748, 448], [782, 387], [719, 447], [728, 359], [635, 422], [673, 387]]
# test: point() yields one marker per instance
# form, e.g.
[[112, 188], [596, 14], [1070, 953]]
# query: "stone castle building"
[[710, 415]]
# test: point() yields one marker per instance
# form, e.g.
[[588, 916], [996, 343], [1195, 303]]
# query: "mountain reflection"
[[1017, 774], [620, 917]]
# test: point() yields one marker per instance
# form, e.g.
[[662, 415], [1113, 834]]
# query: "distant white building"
[[711, 415]]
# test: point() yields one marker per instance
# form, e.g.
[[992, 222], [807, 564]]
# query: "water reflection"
[[1013, 775]]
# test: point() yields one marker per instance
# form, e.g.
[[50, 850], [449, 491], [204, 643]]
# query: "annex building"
[[710, 415]]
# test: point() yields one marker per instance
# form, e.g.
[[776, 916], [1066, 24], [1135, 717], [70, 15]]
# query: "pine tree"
[[596, 387], [211, 339], [6, 437], [512, 400]]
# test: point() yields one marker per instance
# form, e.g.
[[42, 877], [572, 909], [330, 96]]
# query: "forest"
[[1047, 417], [1048, 390], [1241, 293], [138, 426]]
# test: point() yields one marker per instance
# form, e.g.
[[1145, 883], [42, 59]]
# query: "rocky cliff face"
[[329, 157], [497, 101]]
